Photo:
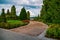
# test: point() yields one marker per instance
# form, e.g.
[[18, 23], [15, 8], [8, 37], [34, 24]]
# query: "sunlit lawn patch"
[[12, 24]]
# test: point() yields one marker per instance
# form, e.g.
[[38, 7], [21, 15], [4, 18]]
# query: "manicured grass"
[[12, 24], [53, 31], [15, 22]]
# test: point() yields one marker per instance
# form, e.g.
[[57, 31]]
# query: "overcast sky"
[[34, 6]]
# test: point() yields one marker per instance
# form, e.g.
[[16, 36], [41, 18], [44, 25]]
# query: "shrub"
[[12, 24], [50, 11], [4, 25], [53, 31], [26, 21]]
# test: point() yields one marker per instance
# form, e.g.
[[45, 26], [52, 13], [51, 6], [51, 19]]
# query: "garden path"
[[34, 28]]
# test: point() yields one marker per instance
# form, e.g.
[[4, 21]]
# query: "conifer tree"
[[13, 12], [23, 14], [3, 17], [8, 13], [28, 15]]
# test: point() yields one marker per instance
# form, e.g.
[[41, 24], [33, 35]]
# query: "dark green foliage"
[[8, 21], [8, 13], [53, 31], [13, 12], [23, 14], [0, 18], [50, 14], [50, 11], [28, 15], [3, 17]]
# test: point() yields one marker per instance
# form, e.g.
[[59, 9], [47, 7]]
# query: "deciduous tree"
[[51, 11]]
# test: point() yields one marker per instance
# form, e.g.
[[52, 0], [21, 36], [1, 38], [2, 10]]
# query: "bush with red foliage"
[[27, 21]]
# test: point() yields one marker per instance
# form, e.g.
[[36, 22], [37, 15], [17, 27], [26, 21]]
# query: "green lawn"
[[15, 22], [12, 24]]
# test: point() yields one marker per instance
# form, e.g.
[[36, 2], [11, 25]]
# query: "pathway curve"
[[34, 28], [9, 35], [42, 36]]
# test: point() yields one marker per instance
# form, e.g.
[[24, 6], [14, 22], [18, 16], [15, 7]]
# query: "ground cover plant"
[[53, 31]]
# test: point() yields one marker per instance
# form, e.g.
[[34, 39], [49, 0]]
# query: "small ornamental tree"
[[23, 14], [3, 17], [28, 15]]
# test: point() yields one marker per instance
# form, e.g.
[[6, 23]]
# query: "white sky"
[[34, 6]]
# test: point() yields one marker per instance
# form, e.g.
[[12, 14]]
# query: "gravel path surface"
[[34, 28]]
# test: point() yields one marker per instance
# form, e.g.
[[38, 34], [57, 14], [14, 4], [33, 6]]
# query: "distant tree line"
[[12, 15]]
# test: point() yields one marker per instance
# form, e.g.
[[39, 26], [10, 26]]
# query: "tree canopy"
[[51, 11], [23, 14]]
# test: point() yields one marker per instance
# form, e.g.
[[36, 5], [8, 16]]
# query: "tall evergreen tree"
[[13, 12], [28, 15], [51, 11], [3, 17], [23, 14], [8, 13]]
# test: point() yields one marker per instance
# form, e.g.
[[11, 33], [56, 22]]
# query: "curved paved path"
[[9, 35], [34, 28], [42, 36]]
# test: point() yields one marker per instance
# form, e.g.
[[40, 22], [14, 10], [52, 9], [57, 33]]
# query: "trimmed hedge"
[[53, 31]]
